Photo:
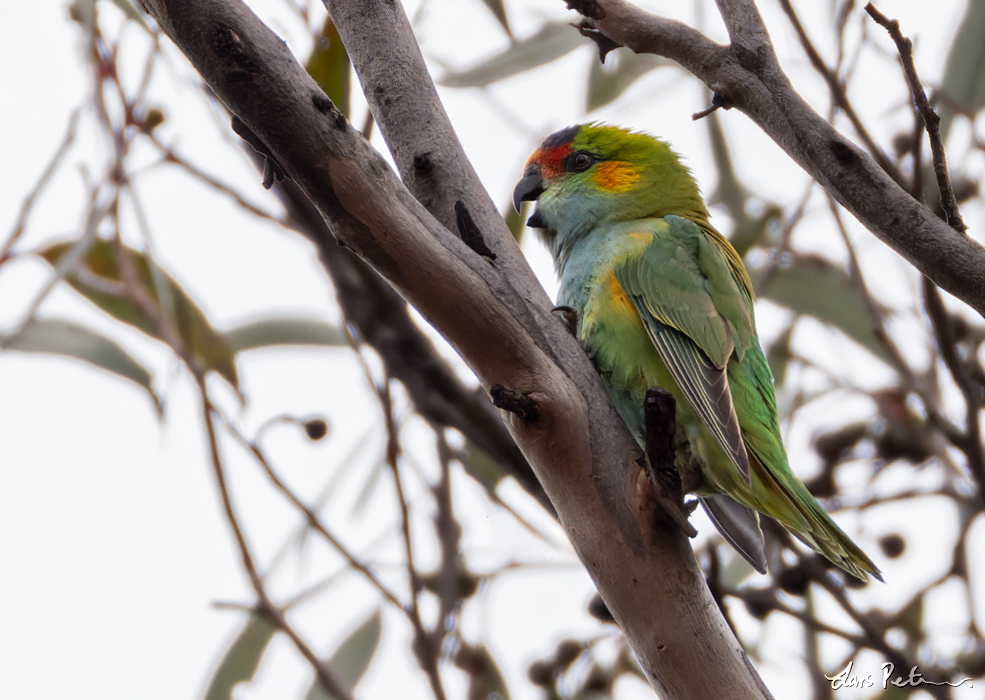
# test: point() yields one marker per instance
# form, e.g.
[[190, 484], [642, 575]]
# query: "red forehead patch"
[[551, 159]]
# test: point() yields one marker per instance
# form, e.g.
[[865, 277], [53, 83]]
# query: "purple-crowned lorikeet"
[[664, 300]]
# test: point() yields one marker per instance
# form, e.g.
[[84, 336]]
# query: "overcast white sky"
[[113, 547]]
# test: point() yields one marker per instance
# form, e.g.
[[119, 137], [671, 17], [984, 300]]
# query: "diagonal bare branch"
[[746, 75]]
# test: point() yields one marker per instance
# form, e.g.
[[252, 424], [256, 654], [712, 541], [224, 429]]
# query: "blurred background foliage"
[[915, 440]]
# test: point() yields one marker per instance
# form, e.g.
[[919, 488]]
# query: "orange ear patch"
[[616, 176]]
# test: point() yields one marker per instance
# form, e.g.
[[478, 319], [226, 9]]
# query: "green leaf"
[[59, 337], [499, 11], [516, 221], [285, 331], [555, 39], [131, 12], [480, 466], [352, 658], [96, 275], [328, 64], [609, 81], [811, 285], [747, 230], [964, 71], [778, 354], [242, 658], [84, 12], [486, 681]]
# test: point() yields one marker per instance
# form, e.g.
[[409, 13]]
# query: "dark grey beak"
[[530, 187]]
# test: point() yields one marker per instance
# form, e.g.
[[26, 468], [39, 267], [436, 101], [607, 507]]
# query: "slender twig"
[[427, 647], [839, 95], [97, 212], [449, 536], [39, 186], [970, 442], [948, 201], [875, 310], [326, 675], [169, 156], [776, 257], [313, 520]]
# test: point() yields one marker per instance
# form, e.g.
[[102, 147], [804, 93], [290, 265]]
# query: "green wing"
[[693, 311]]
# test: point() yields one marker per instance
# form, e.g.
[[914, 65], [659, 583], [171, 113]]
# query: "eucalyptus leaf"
[[98, 277], [554, 40], [480, 466], [516, 221], [352, 658], [131, 12], [60, 337], [964, 70], [813, 286], [271, 332], [607, 82], [241, 660], [485, 678], [499, 11], [329, 65]]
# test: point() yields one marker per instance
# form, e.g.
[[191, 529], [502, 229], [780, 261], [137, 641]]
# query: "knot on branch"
[[229, 45], [568, 316], [514, 401], [324, 105], [660, 421], [470, 233], [586, 8], [588, 29], [423, 165], [272, 169], [718, 101]]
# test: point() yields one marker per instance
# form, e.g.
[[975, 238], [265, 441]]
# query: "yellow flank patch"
[[616, 176], [620, 300]]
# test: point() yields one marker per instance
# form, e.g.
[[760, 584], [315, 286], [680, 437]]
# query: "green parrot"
[[664, 300]]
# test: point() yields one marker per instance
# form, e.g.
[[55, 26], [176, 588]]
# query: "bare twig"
[[313, 520], [326, 675], [943, 325], [839, 95], [748, 76], [427, 646], [39, 186], [933, 122], [970, 441], [169, 156]]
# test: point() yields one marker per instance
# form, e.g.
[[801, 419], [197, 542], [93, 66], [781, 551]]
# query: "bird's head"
[[593, 173]]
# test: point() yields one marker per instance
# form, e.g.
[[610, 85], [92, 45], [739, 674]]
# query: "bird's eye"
[[581, 161]]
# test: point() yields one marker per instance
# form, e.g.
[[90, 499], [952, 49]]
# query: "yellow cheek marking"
[[616, 176]]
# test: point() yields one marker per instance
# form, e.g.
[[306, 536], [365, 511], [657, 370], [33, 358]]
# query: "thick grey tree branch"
[[381, 318], [492, 313], [746, 75]]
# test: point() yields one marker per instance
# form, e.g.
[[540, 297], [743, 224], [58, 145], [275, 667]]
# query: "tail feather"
[[739, 526], [815, 528], [831, 541]]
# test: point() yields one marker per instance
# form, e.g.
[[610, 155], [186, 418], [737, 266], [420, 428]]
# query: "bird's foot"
[[660, 420], [568, 316]]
